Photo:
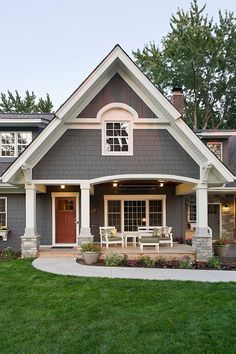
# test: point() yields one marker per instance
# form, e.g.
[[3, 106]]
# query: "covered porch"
[[125, 202]]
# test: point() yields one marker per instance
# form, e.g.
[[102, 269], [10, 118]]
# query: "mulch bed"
[[166, 265]]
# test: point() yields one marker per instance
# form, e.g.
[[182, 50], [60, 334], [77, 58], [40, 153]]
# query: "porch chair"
[[154, 236], [109, 236]]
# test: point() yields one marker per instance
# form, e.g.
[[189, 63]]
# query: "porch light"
[[161, 184], [63, 186], [115, 184], [226, 207]]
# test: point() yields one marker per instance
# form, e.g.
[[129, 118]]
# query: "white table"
[[133, 235]]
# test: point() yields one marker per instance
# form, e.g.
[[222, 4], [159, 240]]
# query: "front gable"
[[116, 90], [117, 78]]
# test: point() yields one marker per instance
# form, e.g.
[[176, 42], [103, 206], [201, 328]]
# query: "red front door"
[[65, 220]]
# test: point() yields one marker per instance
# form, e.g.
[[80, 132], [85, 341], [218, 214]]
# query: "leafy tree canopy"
[[199, 55], [13, 102]]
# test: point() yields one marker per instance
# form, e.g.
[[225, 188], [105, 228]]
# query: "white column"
[[85, 233], [30, 239], [202, 211], [30, 206]]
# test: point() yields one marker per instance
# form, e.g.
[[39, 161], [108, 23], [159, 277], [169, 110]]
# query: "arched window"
[[117, 129]]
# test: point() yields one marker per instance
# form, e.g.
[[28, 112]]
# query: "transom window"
[[117, 137], [127, 213], [3, 211], [13, 144], [216, 147]]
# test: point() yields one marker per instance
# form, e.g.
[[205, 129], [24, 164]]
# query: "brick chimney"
[[177, 99]]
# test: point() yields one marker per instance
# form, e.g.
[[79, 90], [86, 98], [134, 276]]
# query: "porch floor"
[[177, 252]]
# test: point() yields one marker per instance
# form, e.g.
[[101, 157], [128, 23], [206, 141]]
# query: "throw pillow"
[[157, 232], [165, 231]]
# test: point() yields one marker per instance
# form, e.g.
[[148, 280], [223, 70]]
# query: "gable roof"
[[117, 61]]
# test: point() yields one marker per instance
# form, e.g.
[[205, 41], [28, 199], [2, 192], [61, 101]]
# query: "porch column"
[[202, 240], [30, 239], [85, 232]]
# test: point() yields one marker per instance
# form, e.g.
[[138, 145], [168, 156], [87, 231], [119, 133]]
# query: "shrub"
[[90, 247], [113, 260], [7, 254], [185, 263], [147, 261], [214, 263], [160, 261]]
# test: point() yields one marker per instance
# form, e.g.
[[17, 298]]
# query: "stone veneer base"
[[202, 245], [29, 246]]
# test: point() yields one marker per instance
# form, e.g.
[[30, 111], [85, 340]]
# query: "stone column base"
[[85, 236], [29, 246], [202, 245]]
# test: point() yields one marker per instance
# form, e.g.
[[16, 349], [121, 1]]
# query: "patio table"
[[132, 235]]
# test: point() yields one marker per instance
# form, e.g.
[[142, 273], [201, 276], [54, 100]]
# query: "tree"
[[13, 102], [200, 56]]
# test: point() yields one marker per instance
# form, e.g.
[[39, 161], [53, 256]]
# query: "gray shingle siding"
[[15, 220], [77, 155]]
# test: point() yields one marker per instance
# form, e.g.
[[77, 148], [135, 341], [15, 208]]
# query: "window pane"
[[155, 213], [117, 136], [24, 140], [8, 144], [216, 148], [114, 214], [3, 214], [134, 214], [192, 213]]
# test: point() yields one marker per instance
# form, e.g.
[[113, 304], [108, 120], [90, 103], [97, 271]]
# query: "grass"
[[46, 313]]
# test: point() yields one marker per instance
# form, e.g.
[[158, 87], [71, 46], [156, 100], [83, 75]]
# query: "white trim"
[[218, 134], [55, 195], [127, 197], [5, 198], [20, 120]]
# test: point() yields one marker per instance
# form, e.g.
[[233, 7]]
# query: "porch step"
[[58, 253]]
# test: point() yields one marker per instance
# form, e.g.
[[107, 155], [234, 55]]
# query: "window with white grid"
[[12, 144], [3, 211], [155, 213], [117, 137], [134, 214], [216, 147], [114, 214]]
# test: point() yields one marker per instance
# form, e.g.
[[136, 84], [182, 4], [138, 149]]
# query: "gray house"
[[116, 153]]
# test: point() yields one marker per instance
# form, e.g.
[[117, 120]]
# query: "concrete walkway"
[[68, 266]]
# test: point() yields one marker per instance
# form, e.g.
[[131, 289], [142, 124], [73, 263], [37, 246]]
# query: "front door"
[[214, 220], [65, 220]]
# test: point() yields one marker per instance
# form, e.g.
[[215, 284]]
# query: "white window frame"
[[135, 197], [221, 148], [130, 139], [126, 114], [192, 221], [16, 141], [5, 198]]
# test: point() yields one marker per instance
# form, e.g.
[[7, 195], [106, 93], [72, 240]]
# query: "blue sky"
[[52, 45]]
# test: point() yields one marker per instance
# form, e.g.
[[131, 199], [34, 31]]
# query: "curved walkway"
[[68, 266]]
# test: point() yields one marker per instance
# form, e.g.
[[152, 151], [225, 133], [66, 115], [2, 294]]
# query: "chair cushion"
[[149, 240], [114, 238], [165, 238], [157, 232]]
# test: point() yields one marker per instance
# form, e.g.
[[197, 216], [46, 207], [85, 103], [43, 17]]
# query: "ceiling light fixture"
[[115, 184], [63, 186]]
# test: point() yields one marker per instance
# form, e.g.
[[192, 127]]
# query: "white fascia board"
[[229, 177], [222, 189], [20, 121], [218, 134], [27, 153]]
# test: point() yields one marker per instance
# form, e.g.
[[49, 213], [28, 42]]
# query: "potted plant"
[[4, 232], [222, 246], [90, 252]]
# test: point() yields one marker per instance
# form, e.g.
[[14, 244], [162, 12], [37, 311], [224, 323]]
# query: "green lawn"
[[45, 313]]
